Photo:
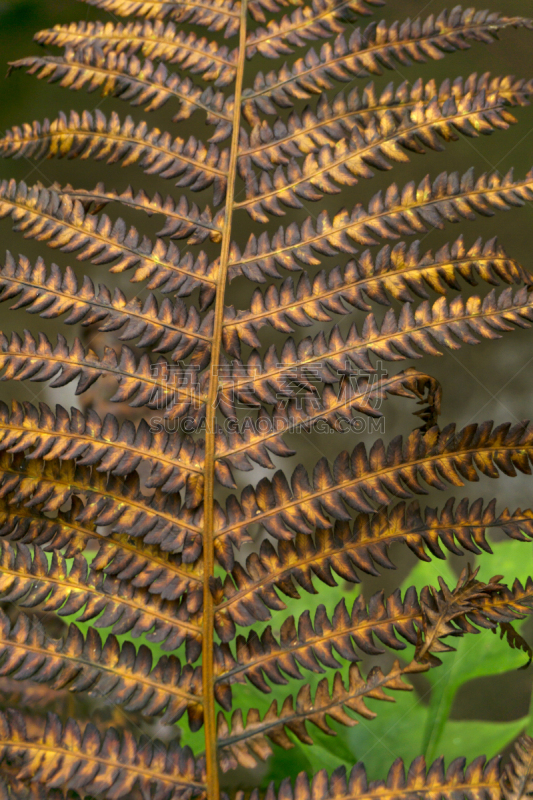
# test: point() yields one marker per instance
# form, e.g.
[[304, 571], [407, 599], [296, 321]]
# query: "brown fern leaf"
[[375, 49], [62, 223], [153, 40], [445, 613], [250, 592], [125, 608], [182, 219], [112, 507], [118, 449], [133, 525], [478, 781], [516, 781], [91, 135], [449, 198], [171, 326], [131, 80], [28, 580], [245, 743], [400, 273], [437, 458], [116, 672], [213, 14], [515, 641], [374, 145], [144, 384], [320, 19], [334, 119], [174, 527], [97, 763], [412, 128], [317, 644], [409, 335], [239, 446]]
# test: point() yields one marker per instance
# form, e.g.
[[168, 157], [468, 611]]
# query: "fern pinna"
[[135, 524]]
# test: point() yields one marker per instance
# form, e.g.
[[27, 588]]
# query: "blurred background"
[[478, 701]]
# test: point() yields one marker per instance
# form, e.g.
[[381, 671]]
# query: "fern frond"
[[112, 509], [315, 644], [169, 327], [344, 550], [213, 14], [445, 612], [377, 48], [321, 19], [326, 360], [143, 383], [183, 220], [245, 743], [153, 40], [91, 135], [390, 215], [61, 222], [333, 119], [379, 137], [140, 84], [28, 579], [437, 458], [239, 446], [65, 756], [517, 779], [116, 672], [376, 144], [479, 781], [119, 449], [400, 273], [425, 622]]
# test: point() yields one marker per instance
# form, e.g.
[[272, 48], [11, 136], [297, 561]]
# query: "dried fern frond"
[[317, 644], [113, 504], [374, 145], [109, 670], [371, 51], [480, 781], [128, 78], [91, 135], [517, 775], [130, 523], [169, 327], [117, 449], [182, 219], [408, 335], [213, 14], [245, 743], [63, 224], [437, 458], [346, 549], [319, 19], [400, 273], [335, 408], [333, 119], [96, 763], [154, 40], [28, 580]]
